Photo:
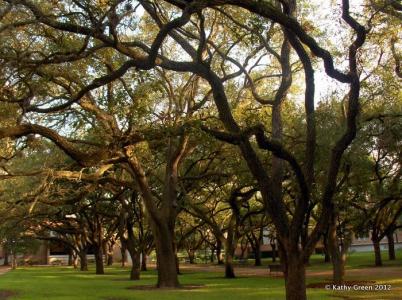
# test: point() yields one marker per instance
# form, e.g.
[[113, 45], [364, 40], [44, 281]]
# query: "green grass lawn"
[[65, 283]]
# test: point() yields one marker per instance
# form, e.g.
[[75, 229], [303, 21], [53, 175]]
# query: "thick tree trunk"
[[135, 267], [144, 262], [166, 257], [377, 252], [229, 270], [295, 277], [135, 256], [327, 257], [391, 246], [83, 260], [337, 256], [229, 253], [6, 262], [338, 264], [100, 270]]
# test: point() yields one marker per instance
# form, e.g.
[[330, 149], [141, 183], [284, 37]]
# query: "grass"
[[65, 283], [356, 260]]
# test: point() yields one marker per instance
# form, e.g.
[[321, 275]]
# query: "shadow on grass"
[[183, 287], [5, 294]]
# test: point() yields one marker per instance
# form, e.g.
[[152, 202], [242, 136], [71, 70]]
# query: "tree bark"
[[135, 267], [83, 260], [229, 253], [391, 246], [274, 254], [70, 258], [191, 256], [295, 276], [13, 260], [377, 252], [338, 258], [134, 253], [144, 262], [166, 257], [123, 256], [339, 268], [100, 270], [327, 257], [6, 262], [109, 260], [257, 254]]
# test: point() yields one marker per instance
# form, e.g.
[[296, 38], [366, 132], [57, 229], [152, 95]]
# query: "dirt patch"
[[4, 269], [183, 287], [5, 294], [322, 285]]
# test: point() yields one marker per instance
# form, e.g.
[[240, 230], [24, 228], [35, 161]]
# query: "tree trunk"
[[6, 262], [123, 256], [274, 254], [109, 259], [134, 254], [391, 246], [177, 263], [191, 256], [109, 256], [327, 257], [166, 257], [83, 260], [144, 261], [229, 253], [338, 265], [295, 277], [337, 257], [212, 256], [13, 260], [219, 252], [377, 252], [257, 254], [70, 258], [135, 267], [75, 259], [100, 270]]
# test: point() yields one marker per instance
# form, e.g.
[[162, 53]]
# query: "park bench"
[[275, 268]]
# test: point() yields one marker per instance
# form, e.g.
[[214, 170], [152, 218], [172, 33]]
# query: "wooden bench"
[[275, 268]]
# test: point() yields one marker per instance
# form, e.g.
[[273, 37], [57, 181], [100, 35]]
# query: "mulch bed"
[[5, 294], [183, 287], [321, 285]]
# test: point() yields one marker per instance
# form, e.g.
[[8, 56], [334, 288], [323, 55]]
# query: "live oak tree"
[[65, 61]]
